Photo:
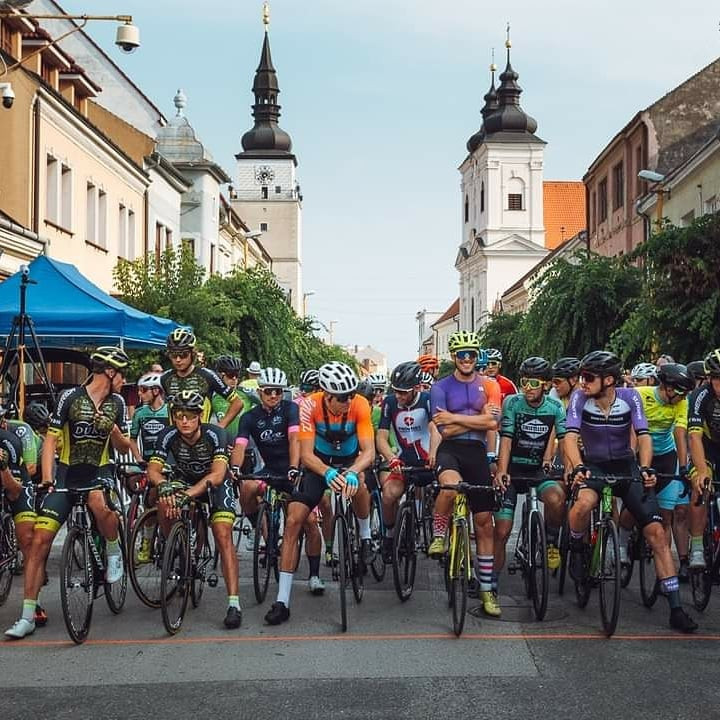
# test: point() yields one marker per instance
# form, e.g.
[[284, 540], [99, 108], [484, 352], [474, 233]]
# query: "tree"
[[505, 331]]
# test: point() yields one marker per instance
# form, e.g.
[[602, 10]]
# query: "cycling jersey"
[[27, 438], [271, 430], [662, 418], [607, 437], [565, 401], [23, 507], [530, 428], [507, 386], [201, 380], [219, 406], [465, 398], [410, 425], [704, 416], [335, 435], [147, 424]]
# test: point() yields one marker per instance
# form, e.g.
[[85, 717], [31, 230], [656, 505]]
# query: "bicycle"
[[377, 523], [133, 479], [458, 558], [702, 581], [83, 564], [8, 547]]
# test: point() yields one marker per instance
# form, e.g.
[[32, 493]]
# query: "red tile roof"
[[450, 313], [564, 208]]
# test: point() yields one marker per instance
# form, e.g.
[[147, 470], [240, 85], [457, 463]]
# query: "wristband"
[[491, 458], [330, 475], [647, 470], [351, 478]]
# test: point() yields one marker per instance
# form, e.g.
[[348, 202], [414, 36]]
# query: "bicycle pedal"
[[212, 580]]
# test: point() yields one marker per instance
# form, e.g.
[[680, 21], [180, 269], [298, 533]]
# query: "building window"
[[264, 192], [45, 71], [618, 186], [189, 245], [482, 197], [212, 259], [593, 211], [467, 208], [263, 227], [52, 180], [711, 204], [66, 197], [515, 201], [472, 313], [602, 200], [102, 219], [638, 167], [159, 237], [122, 232], [130, 235], [6, 38], [91, 213], [278, 189]]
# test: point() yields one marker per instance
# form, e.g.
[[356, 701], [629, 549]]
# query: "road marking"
[[260, 639]]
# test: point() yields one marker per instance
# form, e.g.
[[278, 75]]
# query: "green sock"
[[328, 546], [234, 601], [696, 542], [29, 606], [113, 546]]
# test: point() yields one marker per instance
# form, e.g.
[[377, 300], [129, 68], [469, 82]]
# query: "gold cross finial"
[[493, 66], [508, 44], [266, 15]]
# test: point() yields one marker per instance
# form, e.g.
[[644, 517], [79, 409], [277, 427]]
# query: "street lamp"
[[249, 236], [658, 189], [306, 295]]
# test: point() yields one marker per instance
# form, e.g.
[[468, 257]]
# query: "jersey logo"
[[86, 430], [153, 427], [20, 431], [266, 435], [535, 428], [408, 420]]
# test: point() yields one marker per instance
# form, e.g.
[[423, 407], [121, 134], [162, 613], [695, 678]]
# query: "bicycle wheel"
[[135, 511], [8, 556], [377, 566], [77, 584], [145, 558], [649, 584], [176, 581], [538, 569], [404, 557], [460, 564], [626, 569], [522, 551], [262, 562], [701, 581], [355, 563], [115, 593], [202, 556], [583, 588], [609, 576], [340, 542], [564, 554], [428, 503]]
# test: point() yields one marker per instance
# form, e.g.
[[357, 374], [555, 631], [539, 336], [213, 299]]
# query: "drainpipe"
[[36, 168]]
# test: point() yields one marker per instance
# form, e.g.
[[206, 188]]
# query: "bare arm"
[[294, 445], [233, 410], [681, 444], [383, 444], [237, 456], [645, 453], [48, 458]]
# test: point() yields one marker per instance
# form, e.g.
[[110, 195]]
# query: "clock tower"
[[266, 194]]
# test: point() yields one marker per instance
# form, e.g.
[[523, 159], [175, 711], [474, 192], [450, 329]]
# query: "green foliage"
[[243, 314], [505, 332], [446, 368]]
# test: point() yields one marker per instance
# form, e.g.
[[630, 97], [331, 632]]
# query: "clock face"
[[264, 174]]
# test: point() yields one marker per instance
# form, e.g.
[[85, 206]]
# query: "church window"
[[515, 201], [263, 227], [278, 189], [467, 208], [482, 197], [264, 191]]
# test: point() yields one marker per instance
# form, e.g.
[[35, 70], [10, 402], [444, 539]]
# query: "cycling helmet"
[[150, 380], [696, 368], [676, 375], [464, 340], [37, 415], [566, 367], [494, 354], [644, 371], [428, 363], [405, 376], [712, 363], [602, 362], [535, 367], [365, 389], [189, 400], [309, 380], [482, 359], [272, 377], [228, 364], [181, 338], [426, 378], [337, 378], [110, 357], [378, 380]]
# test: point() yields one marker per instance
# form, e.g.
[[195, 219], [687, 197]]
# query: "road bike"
[[702, 581], [8, 547], [377, 523]]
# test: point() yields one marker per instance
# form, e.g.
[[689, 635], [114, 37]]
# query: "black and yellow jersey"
[[201, 380], [193, 462]]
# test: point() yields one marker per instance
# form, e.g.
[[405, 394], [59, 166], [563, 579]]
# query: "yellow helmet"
[[464, 340]]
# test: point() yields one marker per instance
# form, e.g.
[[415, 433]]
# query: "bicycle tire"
[[649, 584], [609, 576], [626, 569], [146, 577], [116, 593], [340, 537], [201, 557], [262, 562], [701, 580], [460, 559], [564, 549], [404, 554], [77, 607], [176, 581], [134, 512], [377, 566], [8, 556], [537, 558], [583, 588], [523, 541], [428, 502], [354, 550]]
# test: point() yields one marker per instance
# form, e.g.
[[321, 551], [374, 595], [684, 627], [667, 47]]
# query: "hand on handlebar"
[[501, 481], [579, 475], [649, 477]]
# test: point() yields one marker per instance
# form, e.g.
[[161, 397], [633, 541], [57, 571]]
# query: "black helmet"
[[181, 339], [535, 367], [696, 369], [228, 364], [309, 380], [603, 363], [365, 389], [566, 367], [406, 376], [189, 400], [676, 375], [37, 415], [109, 357], [712, 363]]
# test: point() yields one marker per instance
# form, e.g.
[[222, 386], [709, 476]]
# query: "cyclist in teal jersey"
[[150, 419]]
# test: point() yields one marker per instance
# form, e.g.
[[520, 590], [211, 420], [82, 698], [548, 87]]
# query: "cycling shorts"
[[284, 486], [420, 479], [23, 506], [668, 490], [520, 487], [469, 459], [221, 500], [312, 486]]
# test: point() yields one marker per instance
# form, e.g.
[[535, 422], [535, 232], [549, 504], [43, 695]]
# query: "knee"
[[655, 534]]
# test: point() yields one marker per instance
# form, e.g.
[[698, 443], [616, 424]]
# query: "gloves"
[[394, 464], [330, 475], [293, 475], [167, 488], [182, 499], [577, 470], [351, 478]]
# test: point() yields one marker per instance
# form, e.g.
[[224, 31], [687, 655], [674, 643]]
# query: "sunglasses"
[[378, 391], [532, 383], [558, 380], [493, 363], [344, 397], [231, 375], [183, 354], [144, 389], [678, 390], [588, 377], [185, 415], [464, 355], [277, 392]]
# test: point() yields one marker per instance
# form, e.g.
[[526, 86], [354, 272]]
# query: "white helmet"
[[272, 377], [494, 354], [643, 371], [150, 380], [337, 378], [377, 380]]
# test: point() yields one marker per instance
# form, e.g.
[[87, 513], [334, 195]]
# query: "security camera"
[[128, 37], [651, 176], [8, 95], [25, 270]]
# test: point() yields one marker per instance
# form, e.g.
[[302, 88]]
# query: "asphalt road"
[[396, 660]]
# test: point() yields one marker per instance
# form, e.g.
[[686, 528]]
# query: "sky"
[[380, 97]]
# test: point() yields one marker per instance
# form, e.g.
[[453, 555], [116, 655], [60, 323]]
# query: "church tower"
[[266, 193], [503, 231]]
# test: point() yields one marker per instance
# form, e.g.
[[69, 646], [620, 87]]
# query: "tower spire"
[[266, 15]]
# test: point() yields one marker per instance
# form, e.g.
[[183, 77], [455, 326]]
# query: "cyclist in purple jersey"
[[604, 416]]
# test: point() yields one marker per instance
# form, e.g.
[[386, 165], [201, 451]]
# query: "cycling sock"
[[252, 519], [389, 531], [440, 523], [418, 508], [624, 536], [28, 612], [576, 536], [112, 547], [485, 571], [147, 531], [314, 563], [495, 581], [552, 533], [284, 588], [671, 588], [234, 601], [328, 546], [364, 525], [696, 542]]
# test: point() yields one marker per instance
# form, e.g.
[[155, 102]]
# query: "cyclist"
[[150, 419], [704, 441], [426, 381], [187, 375], [465, 408], [24, 433], [494, 363], [696, 368], [644, 374], [84, 421], [250, 383], [406, 412], [274, 426], [429, 364], [229, 369], [198, 452], [605, 416], [336, 446], [309, 383], [530, 423], [378, 381], [565, 372]]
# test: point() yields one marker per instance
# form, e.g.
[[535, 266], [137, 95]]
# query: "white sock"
[[364, 525], [284, 588]]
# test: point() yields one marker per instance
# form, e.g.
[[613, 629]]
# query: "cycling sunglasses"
[[185, 415], [232, 375], [464, 355], [344, 397], [493, 363], [678, 390], [588, 377], [277, 392], [183, 354], [532, 383]]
